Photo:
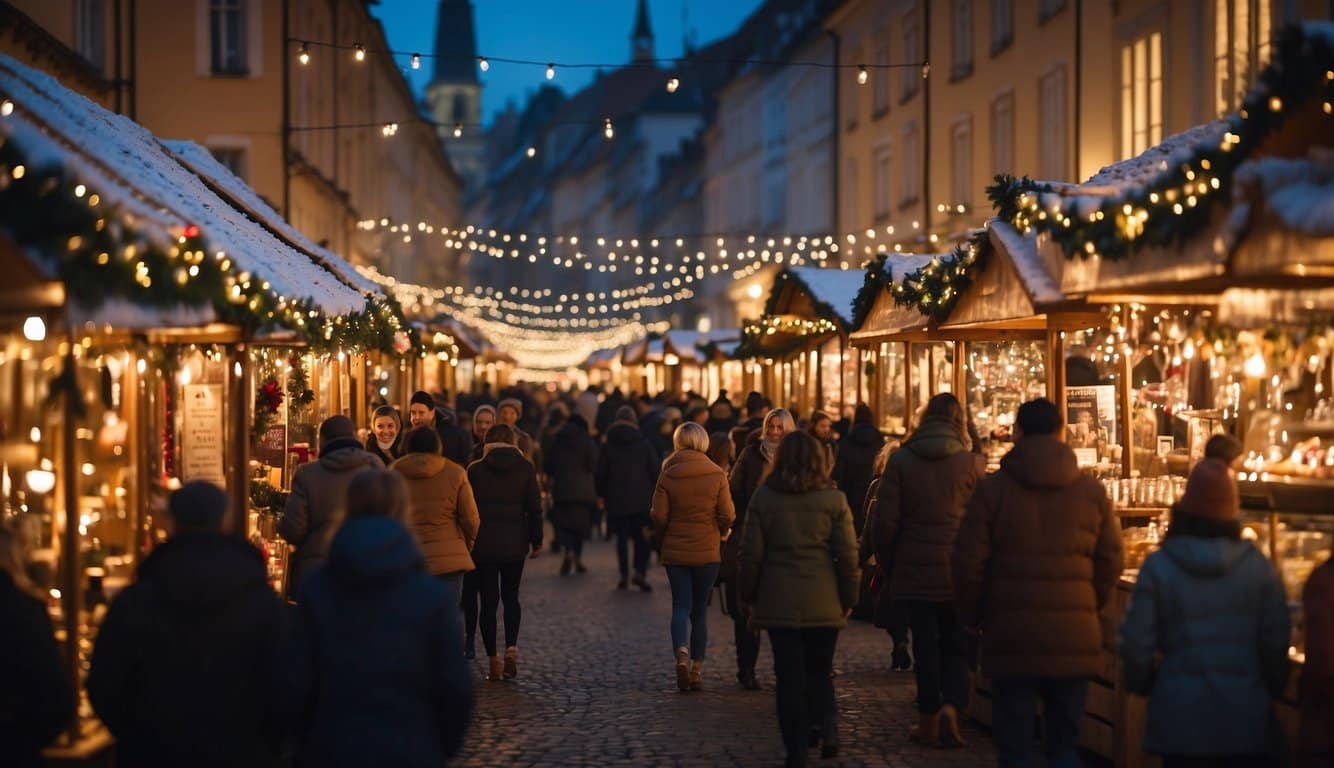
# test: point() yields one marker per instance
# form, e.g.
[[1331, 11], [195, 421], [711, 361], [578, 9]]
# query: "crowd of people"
[[409, 537]]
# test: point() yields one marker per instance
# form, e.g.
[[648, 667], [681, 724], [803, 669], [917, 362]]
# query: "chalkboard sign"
[[272, 447]]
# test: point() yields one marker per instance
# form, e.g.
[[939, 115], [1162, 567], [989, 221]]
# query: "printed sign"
[[1090, 418], [201, 434]]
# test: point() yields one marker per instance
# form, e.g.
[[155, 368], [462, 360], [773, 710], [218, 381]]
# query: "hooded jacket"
[[571, 466], [455, 441], [627, 470], [442, 510], [185, 663], [504, 484], [919, 504], [1034, 563], [318, 502], [36, 701], [374, 670], [1214, 613], [692, 509], [854, 465]]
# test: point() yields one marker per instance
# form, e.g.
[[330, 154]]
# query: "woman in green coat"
[[798, 579]]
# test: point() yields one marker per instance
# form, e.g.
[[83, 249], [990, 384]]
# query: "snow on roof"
[[1299, 192], [835, 287], [1141, 170], [129, 168], [1041, 285], [685, 343], [900, 265]]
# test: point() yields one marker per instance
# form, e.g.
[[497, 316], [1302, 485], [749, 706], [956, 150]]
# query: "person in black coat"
[[455, 442], [185, 663], [373, 669], [607, 410], [36, 699], [509, 504], [627, 472], [854, 466], [570, 466]]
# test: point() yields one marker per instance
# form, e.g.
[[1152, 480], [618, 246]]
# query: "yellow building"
[[274, 90], [1053, 89]]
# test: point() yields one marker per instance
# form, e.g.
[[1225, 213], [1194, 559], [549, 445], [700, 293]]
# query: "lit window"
[[227, 36], [1053, 115], [1141, 94], [1241, 49]]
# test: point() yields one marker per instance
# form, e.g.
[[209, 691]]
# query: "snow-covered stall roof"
[[132, 171], [835, 287], [685, 344], [885, 317], [602, 358]]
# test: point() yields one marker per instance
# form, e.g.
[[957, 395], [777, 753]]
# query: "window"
[[227, 33], [961, 33], [1052, 117], [1241, 49], [90, 32], [1049, 8], [1141, 94], [961, 162], [850, 192], [459, 112], [880, 77], [911, 32], [231, 157], [912, 165], [880, 194], [853, 102], [1002, 134], [1002, 25]]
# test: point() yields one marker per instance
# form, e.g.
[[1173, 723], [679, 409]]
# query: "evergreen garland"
[[299, 393], [876, 280], [934, 289]]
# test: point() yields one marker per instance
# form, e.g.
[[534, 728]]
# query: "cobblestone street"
[[596, 687]]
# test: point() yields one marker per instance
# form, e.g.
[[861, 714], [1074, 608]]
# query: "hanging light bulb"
[[551, 71], [861, 75], [673, 83], [483, 64], [458, 130], [532, 151], [360, 52], [606, 128], [304, 55], [926, 69], [416, 61]]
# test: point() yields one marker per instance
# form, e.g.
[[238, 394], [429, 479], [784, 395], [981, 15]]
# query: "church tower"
[[454, 95], [641, 40]]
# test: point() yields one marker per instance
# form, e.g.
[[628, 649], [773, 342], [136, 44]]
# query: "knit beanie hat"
[[337, 427], [511, 402], [1211, 492], [423, 397], [626, 413]]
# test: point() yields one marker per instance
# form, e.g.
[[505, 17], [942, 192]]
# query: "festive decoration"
[[267, 499], [934, 289], [268, 399], [299, 393]]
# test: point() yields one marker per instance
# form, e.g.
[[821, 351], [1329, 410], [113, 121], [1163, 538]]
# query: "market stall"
[[721, 371]]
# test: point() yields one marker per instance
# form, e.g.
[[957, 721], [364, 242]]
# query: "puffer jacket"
[[626, 472], [318, 502], [1034, 563], [442, 508], [692, 509], [798, 559], [854, 465], [747, 471], [919, 505], [1316, 734], [504, 484], [1206, 639]]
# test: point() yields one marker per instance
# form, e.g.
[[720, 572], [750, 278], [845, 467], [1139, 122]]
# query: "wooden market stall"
[[722, 372]]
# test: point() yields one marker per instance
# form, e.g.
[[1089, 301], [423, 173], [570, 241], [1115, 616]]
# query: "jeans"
[[469, 604], [572, 541], [1014, 707], [630, 528], [940, 656], [803, 660], [747, 642], [500, 582], [453, 580], [690, 603], [1217, 761]]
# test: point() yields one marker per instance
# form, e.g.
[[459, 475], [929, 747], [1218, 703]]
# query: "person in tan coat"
[[441, 506], [1034, 562], [691, 512]]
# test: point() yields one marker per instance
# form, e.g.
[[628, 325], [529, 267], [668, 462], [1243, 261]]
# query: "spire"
[[641, 40], [455, 43]]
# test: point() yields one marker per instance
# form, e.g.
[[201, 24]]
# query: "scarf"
[[384, 447], [767, 450]]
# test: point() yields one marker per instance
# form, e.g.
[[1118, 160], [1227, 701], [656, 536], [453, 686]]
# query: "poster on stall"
[[1090, 418], [201, 434]]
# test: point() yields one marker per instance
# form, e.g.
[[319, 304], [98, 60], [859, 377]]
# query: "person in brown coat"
[[1034, 563], [691, 512], [919, 505], [443, 513], [1315, 741]]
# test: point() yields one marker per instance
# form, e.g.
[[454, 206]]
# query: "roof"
[[133, 172], [685, 344], [643, 31], [835, 287], [455, 44]]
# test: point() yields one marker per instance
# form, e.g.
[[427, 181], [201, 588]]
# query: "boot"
[[746, 676], [697, 675], [927, 730], [639, 581], [579, 565], [622, 584], [829, 731], [469, 648], [683, 668], [494, 672], [949, 728], [900, 660], [566, 564], [511, 663]]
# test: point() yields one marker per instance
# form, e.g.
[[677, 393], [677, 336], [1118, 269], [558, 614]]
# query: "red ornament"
[[191, 231]]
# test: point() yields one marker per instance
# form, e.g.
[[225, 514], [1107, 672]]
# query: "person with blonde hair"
[[691, 512], [36, 701], [386, 433], [374, 670]]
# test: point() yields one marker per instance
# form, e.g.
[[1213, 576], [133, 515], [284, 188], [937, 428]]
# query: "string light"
[[861, 74], [359, 52], [389, 129], [483, 64], [416, 61], [551, 71], [606, 129], [532, 151], [304, 55], [673, 83], [458, 130]]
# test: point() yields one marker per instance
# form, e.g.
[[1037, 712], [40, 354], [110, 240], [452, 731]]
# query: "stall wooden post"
[[909, 407], [238, 480], [1123, 401], [71, 583], [960, 373], [1056, 369]]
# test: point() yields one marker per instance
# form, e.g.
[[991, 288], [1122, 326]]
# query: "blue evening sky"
[[576, 31]]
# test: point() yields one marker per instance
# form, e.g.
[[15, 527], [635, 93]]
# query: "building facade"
[[277, 92], [454, 95]]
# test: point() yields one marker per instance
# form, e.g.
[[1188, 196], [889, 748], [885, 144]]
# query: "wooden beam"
[[239, 402]]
